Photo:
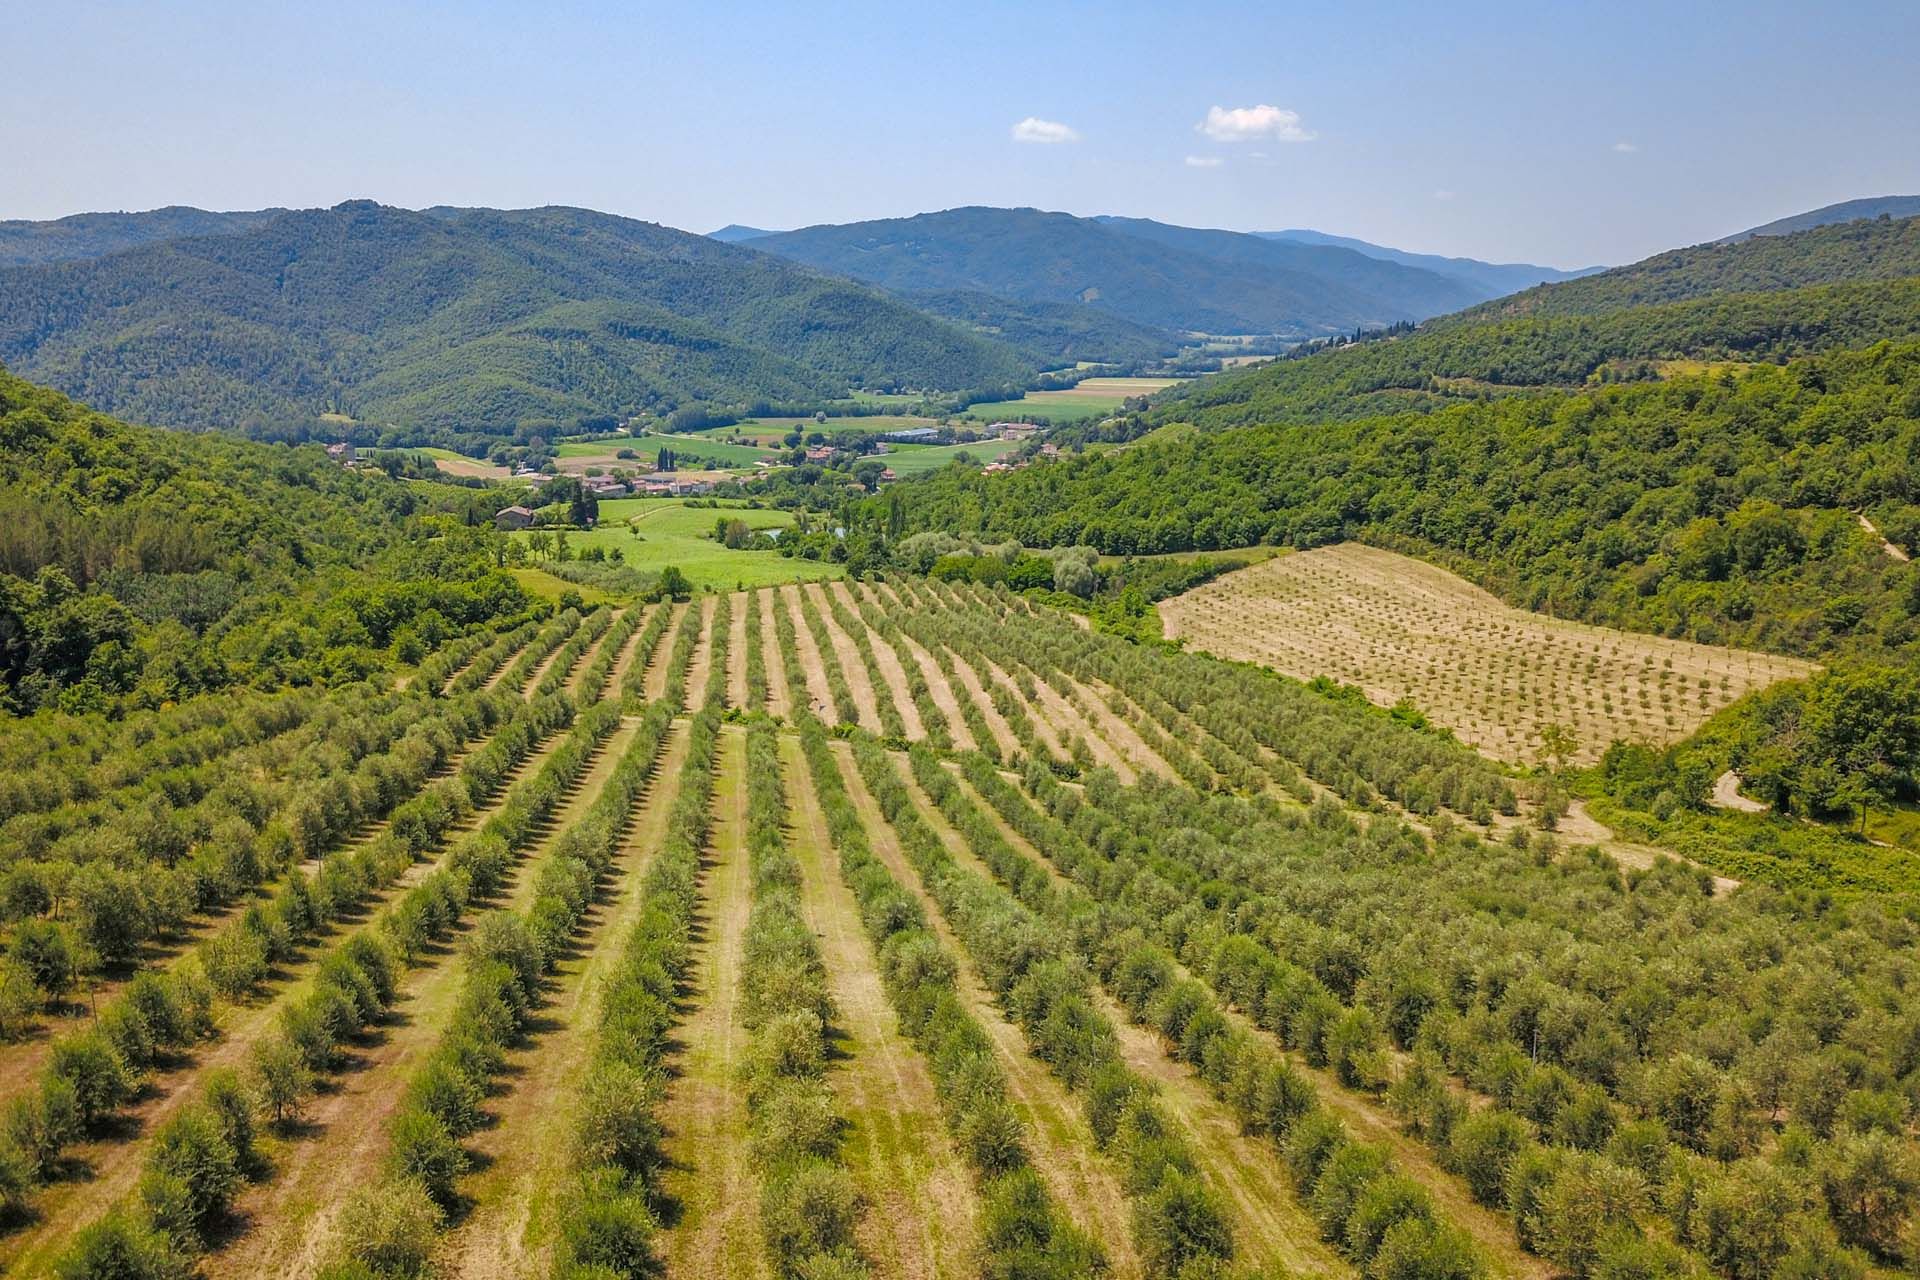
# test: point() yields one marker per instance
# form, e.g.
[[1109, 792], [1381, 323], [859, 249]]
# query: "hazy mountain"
[[463, 321], [734, 233], [1150, 273], [1491, 279], [1845, 211], [93, 235]]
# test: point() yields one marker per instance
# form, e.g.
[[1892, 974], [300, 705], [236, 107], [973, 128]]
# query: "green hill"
[[1845, 211], [1050, 333], [1490, 279], [462, 324], [1164, 277], [1715, 508], [1762, 301], [139, 566], [94, 235]]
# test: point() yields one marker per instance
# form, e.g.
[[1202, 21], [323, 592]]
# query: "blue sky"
[[1549, 132]]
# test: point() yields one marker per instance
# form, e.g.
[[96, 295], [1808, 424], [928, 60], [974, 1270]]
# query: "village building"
[[515, 517]]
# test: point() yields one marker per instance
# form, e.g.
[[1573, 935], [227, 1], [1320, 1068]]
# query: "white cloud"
[[1625, 148], [1203, 162], [1250, 124], [1034, 129]]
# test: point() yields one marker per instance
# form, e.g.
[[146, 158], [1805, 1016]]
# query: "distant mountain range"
[[470, 323], [1171, 278], [94, 235], [1845, 211], [1493, 279], [734, 233]]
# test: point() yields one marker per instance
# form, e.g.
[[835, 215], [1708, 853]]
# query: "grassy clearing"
[[652, 533], [918, 459], [1495, 675], [540, 583]]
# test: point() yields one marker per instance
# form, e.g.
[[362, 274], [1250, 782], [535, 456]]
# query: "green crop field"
[[652, 533], [918, 459]]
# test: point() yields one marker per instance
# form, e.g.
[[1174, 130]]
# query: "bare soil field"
[[1495, 675]]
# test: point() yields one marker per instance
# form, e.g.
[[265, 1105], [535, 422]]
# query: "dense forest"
[[1165, 277], [1718, 507], [468, 322], [139, 566]]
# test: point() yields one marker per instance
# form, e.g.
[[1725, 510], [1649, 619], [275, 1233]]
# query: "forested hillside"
[[1716, 507], [139, 566], [1152, 274], [1763, 300], [457, 325], [1845, 211], [94, 235]]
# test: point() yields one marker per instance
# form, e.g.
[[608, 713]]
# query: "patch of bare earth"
[[710, 1183], [779, 697], [1063, 1150], [921, 1203], [818, 694], [888, 662], [848, 656]]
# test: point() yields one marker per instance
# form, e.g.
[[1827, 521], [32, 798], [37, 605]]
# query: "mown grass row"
[[1023, 1230], [842, 694], [932, 719], [634, 686], [809, 1206], [593, 681], [891, 726], [591, 628], [388, 1230], [551, 637], [606, 1222], [161, 1015], [1043, 988], [194, 1167], [1380, 1219], [756, 656]]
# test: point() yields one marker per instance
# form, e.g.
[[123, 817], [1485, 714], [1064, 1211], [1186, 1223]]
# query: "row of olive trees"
[[1656, 1127], [809, 1206], [1023, 1231]]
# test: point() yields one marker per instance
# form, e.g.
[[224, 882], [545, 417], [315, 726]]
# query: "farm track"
[[779, 697], [1063, 1151], [522, 1156], [1270, 1224], [892, 671], [921, 1202], [654, 681], [818, 695], [709, 1180], [739, 602], [110, 1165], [859, 683], [702, 659]]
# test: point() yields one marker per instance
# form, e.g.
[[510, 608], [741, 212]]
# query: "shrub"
[[808, 1207], [99, 1078], [425, 1151], [121, 1247], [391, 1229], [617, 1125], [605, 1224], [282, 1078], [1483, 1148], [193, 1148], [1178, 1221]]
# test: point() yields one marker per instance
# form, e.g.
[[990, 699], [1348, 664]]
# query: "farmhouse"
[[512, 518], [1014, 430], [341, 453], [820, 453], [607, 487]]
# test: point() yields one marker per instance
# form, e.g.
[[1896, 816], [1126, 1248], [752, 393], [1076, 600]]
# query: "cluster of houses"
[[998, 465], [661, 485]]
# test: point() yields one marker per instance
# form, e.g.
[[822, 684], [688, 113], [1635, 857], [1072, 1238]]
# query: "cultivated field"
[[652, 533], [906, 929], [1090, 398], [1497, 676]]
